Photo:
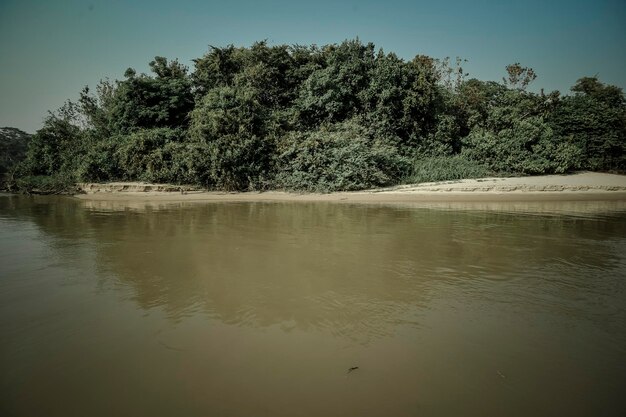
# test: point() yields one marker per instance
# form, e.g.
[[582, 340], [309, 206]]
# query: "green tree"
[[594, 118], [331, 92], [13, 147], [54, 149], [229, 125], [401, 101], [343, 156], [164, 100], [514, 137]]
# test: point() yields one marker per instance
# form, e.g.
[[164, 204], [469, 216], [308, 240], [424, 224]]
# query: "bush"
[[44, 184], [339, 158], [13, 146], [238, 163], [101, 162], [597, 127], [228, 129], [525, 146], [153, 155], [444, 168], [55, 148]]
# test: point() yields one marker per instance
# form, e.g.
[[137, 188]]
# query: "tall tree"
[[142, 101], [519, 77], [594, 118]]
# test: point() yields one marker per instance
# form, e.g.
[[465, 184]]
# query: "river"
[[242, 309]]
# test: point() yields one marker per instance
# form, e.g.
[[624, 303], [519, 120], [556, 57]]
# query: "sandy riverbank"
[[577, 187]]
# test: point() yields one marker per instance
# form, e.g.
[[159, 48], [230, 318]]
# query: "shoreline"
[[576, 187]]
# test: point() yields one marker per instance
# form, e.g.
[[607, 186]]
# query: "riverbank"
[[577, 187]]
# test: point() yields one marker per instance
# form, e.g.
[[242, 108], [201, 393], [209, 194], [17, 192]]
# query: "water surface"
[[240, 309]]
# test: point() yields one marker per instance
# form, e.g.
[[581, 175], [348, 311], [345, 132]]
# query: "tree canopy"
[[334, 117]]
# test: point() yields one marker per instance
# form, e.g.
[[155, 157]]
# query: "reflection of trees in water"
[[350, 269]]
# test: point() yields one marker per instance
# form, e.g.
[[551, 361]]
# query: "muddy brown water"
[[261, 309]]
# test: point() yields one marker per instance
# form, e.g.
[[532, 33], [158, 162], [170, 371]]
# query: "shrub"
[[597, 127], [101, 162], [44, 184], [525, 146], [153, 155], [229, 132], [238, 163], [338, 158], [444, 168]]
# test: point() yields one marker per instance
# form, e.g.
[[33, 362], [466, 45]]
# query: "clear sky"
[[49, 50]]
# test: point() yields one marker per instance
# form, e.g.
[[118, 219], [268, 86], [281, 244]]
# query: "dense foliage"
[[342, 156], [13, 146], [337, 117]]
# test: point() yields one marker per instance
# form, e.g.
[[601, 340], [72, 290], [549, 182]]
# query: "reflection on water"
[[260, 308]]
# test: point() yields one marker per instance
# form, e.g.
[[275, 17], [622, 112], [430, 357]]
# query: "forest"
[[313, 118]]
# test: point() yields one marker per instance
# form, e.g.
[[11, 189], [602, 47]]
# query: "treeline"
[[337, 117]]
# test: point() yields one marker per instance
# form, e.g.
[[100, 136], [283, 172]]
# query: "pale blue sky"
[[50, 49]]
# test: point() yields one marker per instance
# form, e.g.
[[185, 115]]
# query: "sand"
[[585, 186]]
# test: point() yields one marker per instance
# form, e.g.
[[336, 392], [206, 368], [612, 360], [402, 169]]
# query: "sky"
[[49, 50]]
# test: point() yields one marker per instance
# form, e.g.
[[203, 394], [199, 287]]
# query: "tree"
[[141, 101], [611, 95], [331, 92], [401, 100], [97, 110], [228, 124], [341, 156], [519, 77], [514, 137], [215, 69], [56, 148], [594, 118], [13, 146]]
